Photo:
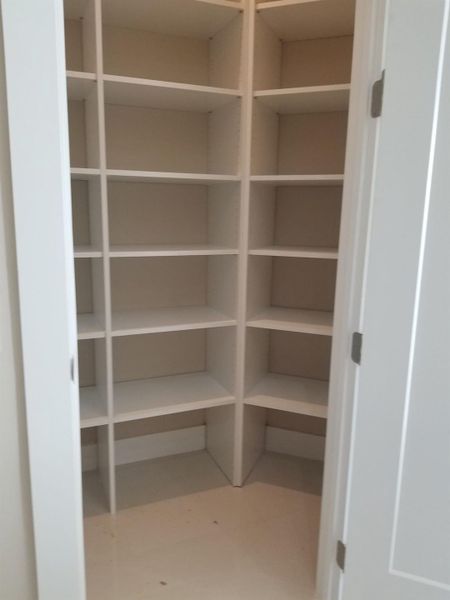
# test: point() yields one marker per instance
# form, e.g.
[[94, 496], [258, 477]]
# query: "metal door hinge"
[[357, 340], [377, 97], [72, 369], [340, 555]]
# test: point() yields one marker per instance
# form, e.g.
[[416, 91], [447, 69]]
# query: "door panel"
[[398, 530]]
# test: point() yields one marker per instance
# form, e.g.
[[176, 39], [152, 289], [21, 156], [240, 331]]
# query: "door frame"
[[40, 168], [23, 20], [362, 141]]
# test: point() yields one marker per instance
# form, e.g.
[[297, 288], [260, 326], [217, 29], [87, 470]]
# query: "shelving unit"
[[207, 143], [176, 372]]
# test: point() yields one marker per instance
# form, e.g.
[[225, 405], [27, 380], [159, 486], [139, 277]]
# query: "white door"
[[398, 523], [37, 108]]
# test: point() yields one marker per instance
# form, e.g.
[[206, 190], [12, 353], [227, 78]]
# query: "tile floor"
[[194, 536]]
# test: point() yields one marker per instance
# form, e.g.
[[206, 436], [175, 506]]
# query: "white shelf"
[[158, 320], [292, 394], [315, 322], [167, 395], [131, 91], [89, 327], [168, 177], [296, 252], [84, 174], [87, 252], [188, 18], [79, 84], [324, 98], [170, 250], [91, 409], [307, 19], [298, 180]]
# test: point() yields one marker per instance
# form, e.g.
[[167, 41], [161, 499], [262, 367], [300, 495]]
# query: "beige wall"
[[17, 576]]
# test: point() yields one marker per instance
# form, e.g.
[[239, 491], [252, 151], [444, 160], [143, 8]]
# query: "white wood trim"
[[294, 443], [37, 110], [361, 144]]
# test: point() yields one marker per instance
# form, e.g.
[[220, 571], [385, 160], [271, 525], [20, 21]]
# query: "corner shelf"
[[315, 322], [89, 327], [323, 98], [188, 18], [168, 177], [298, 180], [133, 91], [87, 252], [158, 396], [84, 174], [79, 84], [91, 409], [303, 19], [291, 394], [170, 250], [160, 320], [296, 252]]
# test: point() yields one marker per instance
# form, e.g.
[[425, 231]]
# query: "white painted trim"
[[37, 110], [361, 144], [147, 447], [294, 443]]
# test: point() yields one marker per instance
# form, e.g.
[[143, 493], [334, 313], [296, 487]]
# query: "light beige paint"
[[17, 571]]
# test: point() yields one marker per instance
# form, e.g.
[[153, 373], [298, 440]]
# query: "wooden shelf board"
[[189, 18], [145, 398], [84, 174], [296, 252], [298, 180], [309, 19], [79, 84], [324, 98], [134, 322], [92, 411], [170, 250], [89, 327], [315, 322], [131, 91], [291, 394], [168, 177], [87, 252]]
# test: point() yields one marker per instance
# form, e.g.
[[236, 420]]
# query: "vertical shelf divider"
[[244, 451], [106, 434]]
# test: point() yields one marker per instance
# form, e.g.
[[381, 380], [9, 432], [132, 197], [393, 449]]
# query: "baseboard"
[[191, 439], [146, 447], [303, 445]]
